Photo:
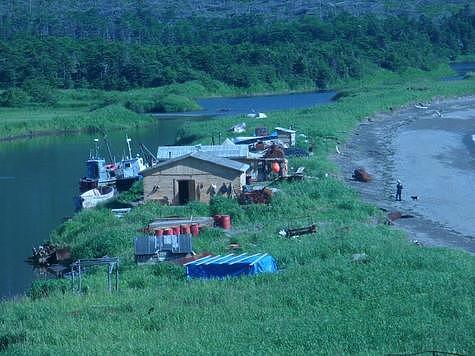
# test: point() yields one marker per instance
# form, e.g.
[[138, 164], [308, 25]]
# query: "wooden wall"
[[162, 183]]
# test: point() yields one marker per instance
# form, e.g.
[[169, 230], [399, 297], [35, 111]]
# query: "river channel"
[[39, 176]]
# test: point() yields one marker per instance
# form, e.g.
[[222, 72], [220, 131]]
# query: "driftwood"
[[299, 231], [361, 175]]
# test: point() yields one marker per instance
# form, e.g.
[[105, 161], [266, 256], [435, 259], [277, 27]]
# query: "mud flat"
[[430, 148]]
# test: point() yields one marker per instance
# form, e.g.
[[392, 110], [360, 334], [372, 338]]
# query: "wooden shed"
[[193, 177]]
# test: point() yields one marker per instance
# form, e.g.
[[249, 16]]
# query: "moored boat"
[[95, 196], [121, 174]]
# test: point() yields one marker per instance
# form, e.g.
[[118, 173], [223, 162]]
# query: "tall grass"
[[403, 299]]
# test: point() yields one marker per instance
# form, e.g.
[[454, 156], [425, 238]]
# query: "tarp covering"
[[231, 265]]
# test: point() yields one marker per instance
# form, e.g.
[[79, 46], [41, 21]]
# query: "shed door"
[[186, 191]]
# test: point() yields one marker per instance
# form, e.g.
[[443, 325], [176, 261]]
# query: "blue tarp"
[[231, 265]]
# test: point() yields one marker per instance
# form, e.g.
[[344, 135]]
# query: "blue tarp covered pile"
[[231, 265]]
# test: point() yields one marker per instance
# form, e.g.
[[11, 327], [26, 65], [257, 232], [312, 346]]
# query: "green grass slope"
[[404, 299]]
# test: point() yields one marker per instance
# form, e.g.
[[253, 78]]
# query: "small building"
[[226, 150], [287, 136], [195, 176], [156, 248]]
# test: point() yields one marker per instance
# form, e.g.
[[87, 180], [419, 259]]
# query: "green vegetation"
[[57, 62], [404, 299], [54, 80], [244, 51], [93, 109]]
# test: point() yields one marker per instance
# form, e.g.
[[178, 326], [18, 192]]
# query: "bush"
[[14, 97], [40, 92], [174, 103], [10, 338], [44, 288]]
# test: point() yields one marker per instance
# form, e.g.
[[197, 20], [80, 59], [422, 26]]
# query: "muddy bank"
[[430, 148]]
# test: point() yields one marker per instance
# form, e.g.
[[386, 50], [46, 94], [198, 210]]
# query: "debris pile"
[[361, 175], [48, 254]]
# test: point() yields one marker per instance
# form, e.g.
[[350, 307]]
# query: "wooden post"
[[117, 277], [109, 278], [80, 276], [72, 278]]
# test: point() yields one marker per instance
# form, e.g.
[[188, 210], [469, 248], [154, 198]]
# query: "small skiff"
[[95, 196]]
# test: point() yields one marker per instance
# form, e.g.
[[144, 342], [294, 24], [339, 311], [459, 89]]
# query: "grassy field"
[[404, 299]]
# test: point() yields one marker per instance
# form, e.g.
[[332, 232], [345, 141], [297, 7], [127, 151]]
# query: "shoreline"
[[375, 145], [156, 115]]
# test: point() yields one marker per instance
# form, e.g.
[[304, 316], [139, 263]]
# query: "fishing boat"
[[120, 175], [128, 170], [98, 172], [95, 196]]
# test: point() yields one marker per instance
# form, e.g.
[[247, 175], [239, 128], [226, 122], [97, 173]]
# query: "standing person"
[[398, 190]]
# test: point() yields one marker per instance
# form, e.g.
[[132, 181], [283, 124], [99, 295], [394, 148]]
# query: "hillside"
[[78, 17]]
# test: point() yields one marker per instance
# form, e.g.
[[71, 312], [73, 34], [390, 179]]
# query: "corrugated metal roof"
[[285, 130], [219, 161], [226, 151]]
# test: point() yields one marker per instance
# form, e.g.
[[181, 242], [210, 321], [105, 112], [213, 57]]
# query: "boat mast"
[[109, 149], [128, 145], [96, 140]]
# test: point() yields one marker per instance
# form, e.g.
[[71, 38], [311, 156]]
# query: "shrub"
[[174, 103], [40, 91], [11, 338], [14, 97], [44, 288]]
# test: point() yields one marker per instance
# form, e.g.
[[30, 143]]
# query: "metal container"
[[226, 222]]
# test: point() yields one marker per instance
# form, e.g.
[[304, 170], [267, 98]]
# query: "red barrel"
[[217, 220], [158, 232], [226, 222], [185, 229], [168, 231], [195, 229], [176, 230]]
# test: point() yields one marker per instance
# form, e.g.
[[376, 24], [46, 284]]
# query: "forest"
[[138, 50]]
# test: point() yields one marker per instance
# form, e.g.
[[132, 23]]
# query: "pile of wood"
[[48, 254], [262, 196]]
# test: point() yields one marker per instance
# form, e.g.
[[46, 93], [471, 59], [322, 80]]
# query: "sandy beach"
[[430, 148]]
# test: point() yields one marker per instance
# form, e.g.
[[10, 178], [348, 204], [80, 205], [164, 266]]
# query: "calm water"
[[39, 177], [266, 103], [462, 69]]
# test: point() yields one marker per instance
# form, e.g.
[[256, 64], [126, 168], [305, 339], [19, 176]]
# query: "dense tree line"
[[140, 51]]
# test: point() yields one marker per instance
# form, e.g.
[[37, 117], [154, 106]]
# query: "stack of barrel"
[[185, 229], [223, 221]]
